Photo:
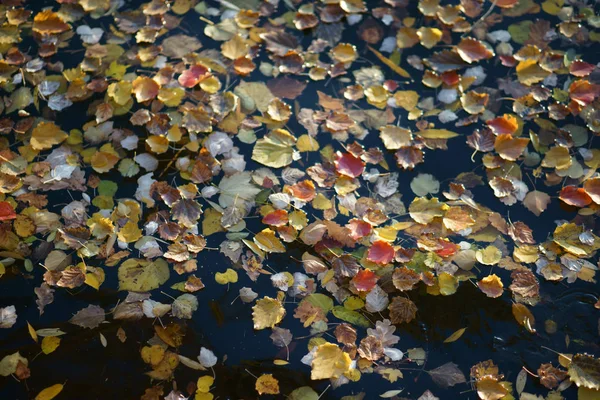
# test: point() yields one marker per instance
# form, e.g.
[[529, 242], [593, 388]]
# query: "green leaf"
[[352, 317], [107, 188], [320, 300], [304, 393]]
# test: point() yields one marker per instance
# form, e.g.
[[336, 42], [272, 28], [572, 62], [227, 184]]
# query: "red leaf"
[[349, 165], [380, 252], [447, 248], [504, 124], [581, 68], [575, 196], [365, 280], [192, 76], [583, 92], [276, 218], [6, 211], [358, 229]]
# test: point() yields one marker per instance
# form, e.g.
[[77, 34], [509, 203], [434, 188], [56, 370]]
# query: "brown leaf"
[[286, 87], [550, 376], [90, 317], [402, 310]]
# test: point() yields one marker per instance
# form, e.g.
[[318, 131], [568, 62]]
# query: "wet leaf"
[[329, 362], [523, 316], [267, 384], [447, 375], [50, 392], [584, 370], [267, 313], [455, 336]]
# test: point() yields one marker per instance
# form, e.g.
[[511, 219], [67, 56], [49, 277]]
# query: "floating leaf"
[[491, 285], [436, 134], [455, 336], [46, 135], [447, 375], [584, 370], [275, 149], [267, 313], [266, 384], [353, 317], [50, 344], [329, 362], [139, 275], [50, 392], [396, 68], [523, 316]]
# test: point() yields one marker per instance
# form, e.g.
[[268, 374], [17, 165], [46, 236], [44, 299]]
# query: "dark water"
[[224, 325]]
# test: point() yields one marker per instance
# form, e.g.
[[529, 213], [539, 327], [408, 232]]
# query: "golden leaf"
[[329, 362], [46, 135], [455, 336], [50, 343], [491, 255], [267, 241], [491, 285], [229, 276], [424, 210], [267, 313], [523, 316], [396, 68], [50, 392], [266, 384]]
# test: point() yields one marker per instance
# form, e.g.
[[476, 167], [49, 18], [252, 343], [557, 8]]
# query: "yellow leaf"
[[120, 92], [307, 143], [280, 362], [329, 362], [455, 336], [489, 256], [50, 343], [171, 97], [321, 202], [204, 383], [204, 396], [523, 316], [116, 70], [138, 275], [50, 392], [491, 285], [229, 276], [266, 384], [267, 313], [424, 210], [153, 355], [158, 144], [32, 332], [448, 284], [267, 241], [211, 222], [46, 135], [130, 232], [437, 134], [396, 68], [406, 99], [490, 389]]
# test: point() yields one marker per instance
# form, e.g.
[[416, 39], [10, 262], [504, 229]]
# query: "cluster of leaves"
[[158, 105]]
